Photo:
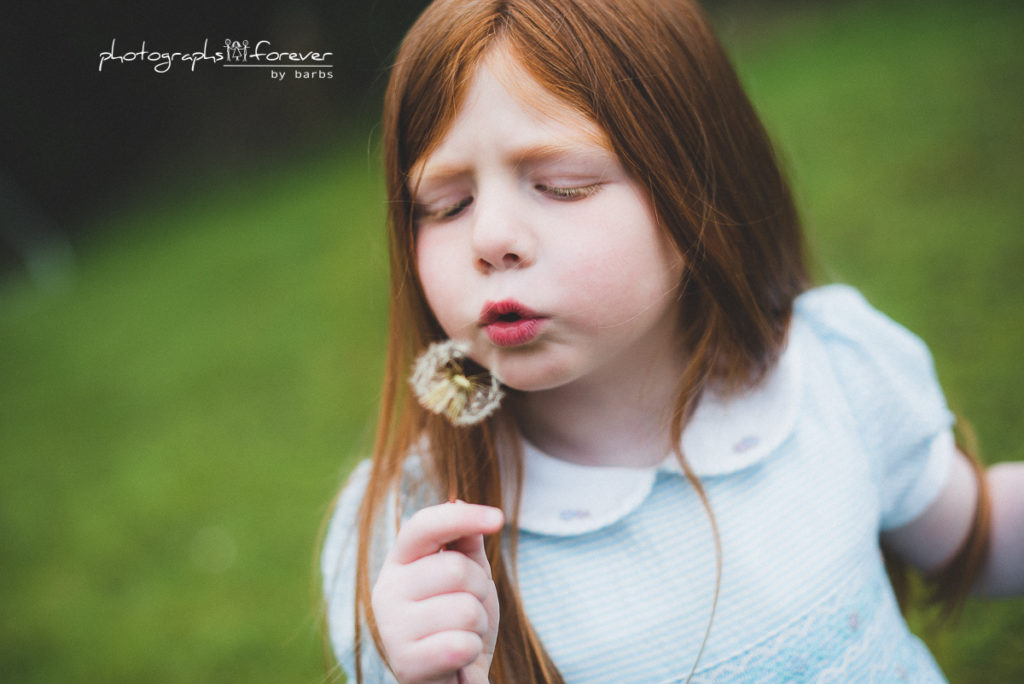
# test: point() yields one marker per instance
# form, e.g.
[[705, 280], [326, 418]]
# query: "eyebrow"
[[548, 151], [531, 154]]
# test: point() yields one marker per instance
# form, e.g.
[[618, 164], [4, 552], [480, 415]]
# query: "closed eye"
[[570, 193], [443, 213]]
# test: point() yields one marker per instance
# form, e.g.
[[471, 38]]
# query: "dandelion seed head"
[[442, 386]]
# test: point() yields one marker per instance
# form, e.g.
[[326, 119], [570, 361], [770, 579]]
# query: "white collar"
[[725, 435]]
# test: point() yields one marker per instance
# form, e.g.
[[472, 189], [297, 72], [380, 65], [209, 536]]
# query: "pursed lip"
[[507, 310], [509, 323]]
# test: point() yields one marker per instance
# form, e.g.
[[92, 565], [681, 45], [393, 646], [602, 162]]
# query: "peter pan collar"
[[725, 435]]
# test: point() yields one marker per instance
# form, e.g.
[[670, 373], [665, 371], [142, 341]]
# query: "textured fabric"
[[850, 435]]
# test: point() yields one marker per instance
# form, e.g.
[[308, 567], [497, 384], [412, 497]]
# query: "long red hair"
[[653, 76]]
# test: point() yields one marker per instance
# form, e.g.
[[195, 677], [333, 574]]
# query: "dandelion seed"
[[441, 385]]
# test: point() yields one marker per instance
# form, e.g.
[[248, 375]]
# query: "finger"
[[443, 573], [437, 615], [460, 612], [472, 546], [434, 528], [440, 655], [454, 609]]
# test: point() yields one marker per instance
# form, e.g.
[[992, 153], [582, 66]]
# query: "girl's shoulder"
[[862, 365], [338, 557], [340, 540], [873, 356], [840, 316]]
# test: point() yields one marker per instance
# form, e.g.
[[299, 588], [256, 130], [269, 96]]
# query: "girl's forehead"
[[500, 72], [516, 78]]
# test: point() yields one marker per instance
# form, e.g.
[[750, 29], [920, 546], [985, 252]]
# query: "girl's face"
[[536, 248]]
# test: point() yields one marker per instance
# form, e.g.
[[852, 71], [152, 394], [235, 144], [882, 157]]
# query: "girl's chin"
[[528, 368], [524, 376]]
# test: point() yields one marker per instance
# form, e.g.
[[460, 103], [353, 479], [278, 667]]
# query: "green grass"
[[174, 422]]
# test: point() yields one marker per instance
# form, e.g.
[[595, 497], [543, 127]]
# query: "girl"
[[697, 455]]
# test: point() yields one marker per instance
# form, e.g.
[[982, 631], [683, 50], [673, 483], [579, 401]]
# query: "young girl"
[[697, 456]]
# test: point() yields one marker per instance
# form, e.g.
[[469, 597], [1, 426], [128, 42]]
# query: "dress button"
[[746, 444]]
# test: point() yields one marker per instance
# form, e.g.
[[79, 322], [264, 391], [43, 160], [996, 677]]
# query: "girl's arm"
[[1003, 574], [932, 539]]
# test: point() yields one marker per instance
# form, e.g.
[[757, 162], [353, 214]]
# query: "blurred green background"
[[182, 396]]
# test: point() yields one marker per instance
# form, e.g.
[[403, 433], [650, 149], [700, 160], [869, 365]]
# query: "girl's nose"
[[501, 239]]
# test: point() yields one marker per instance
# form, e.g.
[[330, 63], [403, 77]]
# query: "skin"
[[931, 540], [434, 600], [523, 199]]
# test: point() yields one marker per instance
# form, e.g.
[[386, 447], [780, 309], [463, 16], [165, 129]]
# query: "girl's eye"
[[445, 213], [456, 209], [569, 194]]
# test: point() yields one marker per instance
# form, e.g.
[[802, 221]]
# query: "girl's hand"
[[435, 603]]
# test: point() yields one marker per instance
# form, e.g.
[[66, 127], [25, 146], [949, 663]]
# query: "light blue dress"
[[848, 436]]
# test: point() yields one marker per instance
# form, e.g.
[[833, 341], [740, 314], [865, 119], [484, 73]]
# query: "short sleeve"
[[888, 379], [338, 567]]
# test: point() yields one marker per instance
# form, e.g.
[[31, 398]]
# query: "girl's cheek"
[[436, 280], [427, 251]]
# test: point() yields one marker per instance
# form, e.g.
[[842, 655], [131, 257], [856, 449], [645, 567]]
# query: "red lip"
[[510, 324]]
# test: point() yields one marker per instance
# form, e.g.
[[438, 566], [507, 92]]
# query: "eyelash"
[[569, 194], [455, 209], [558, 193], [444, 213]]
